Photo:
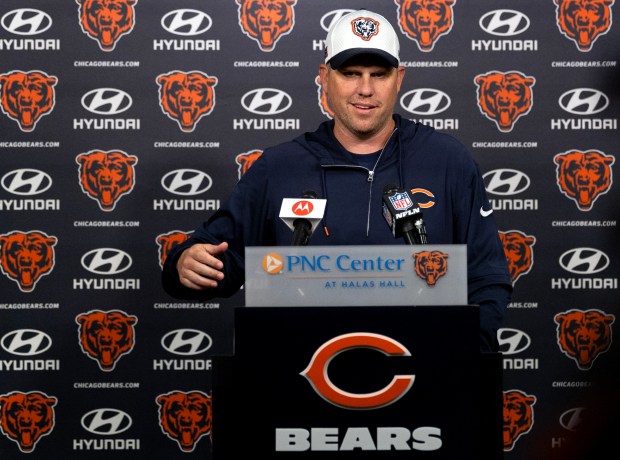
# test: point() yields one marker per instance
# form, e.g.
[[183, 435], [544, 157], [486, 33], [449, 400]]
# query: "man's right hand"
[[199, 268]]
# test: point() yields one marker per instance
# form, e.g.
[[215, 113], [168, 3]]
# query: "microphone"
[[403, 218], [302, 216]]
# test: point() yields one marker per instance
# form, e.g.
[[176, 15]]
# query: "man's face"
[[362, 94]]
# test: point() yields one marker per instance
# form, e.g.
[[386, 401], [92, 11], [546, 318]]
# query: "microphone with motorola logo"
[[402, 216], [302, 216]]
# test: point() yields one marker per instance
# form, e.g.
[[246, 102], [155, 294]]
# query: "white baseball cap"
[[361, 32]]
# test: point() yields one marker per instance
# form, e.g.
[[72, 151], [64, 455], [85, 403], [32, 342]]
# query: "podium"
[[356, 382]]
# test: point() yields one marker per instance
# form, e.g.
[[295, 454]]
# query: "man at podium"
[[384, 179]]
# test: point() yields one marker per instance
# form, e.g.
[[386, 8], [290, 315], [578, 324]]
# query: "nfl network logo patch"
[[401, 201]]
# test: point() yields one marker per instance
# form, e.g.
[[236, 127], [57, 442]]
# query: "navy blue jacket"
[[438, 171]]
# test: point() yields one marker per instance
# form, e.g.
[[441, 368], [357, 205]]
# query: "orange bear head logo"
[[430, 265], [185, 417], [584, 335], [322, 96], [424, 21], [247, 159], [26, 257], [518, 416], [167, 241], [186, 97], [107, 20], [583, 21], [27, 96], [266, 21], [26, 417], [106, 176], [504, 97], [105, 336], [584, 176], [519, 253]]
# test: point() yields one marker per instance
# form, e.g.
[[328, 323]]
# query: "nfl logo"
[[401, 201]]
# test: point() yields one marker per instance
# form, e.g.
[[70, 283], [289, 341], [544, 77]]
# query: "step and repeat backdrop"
[[125, 123]]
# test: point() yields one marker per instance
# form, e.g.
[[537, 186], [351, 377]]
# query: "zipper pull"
[[371, 175]]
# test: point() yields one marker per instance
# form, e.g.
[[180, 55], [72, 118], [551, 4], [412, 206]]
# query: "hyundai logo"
[[186, 22], [572, 418], [186, 342], [425, 101], [26, 21], [266, 101], [505, 181], [512, 341], [328, 19], [186, 182], [584, 261], [26, 181], [106, 261], [504, 23], [583, 101], [106, 101], [26, 342], [106, 421]]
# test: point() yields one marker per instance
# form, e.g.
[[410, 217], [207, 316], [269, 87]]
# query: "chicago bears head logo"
[[365, 28], [186, 97], [106, 176], [430, 265], [105, 336], [518, 416], [27, 96], [584, 335], [107, 20], [167, 241], [504, 97], [322, 96], [26, 257], [266, 21], [583, 21], [26, 417], [519, 253], [185, 417], [584, 176], [247, 159], [424, 21]]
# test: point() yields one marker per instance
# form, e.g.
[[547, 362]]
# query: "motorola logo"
[[266, 101], [583, 101], [425, 101], [584, 261], [25, 342], [328, 19], [505, 181], [186, 22], [106, 421], [504, 23], [186, 342], [106, 101], [26, 181], [186, 182], [106, 261], [26, 21], [512, 341]]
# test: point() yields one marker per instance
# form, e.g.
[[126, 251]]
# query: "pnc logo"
[[266, 101], [584, 261], [186, 342], [425, 101], [26, 181], [583, 101], [504, 23], [302, 208], [106, 101], [26, 21], [106, 422], [26, 342], [505, 181], [186, 22], [273, 263], [106, 261], [331, 17], [512, 341], [186, 182], [317, 371]]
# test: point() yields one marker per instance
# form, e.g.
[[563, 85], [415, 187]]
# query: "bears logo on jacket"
[[186, 97], [26, 257], [504, 97], [584, 176], [106, 176], [584, 335], [583, 21], [185, 417], [266, 21], [167, 241], [430, 265], [106, 21], [105, 336], [26, 417], [424, 21], [519, 253], [247, 159], [27, 96], [518, 416]]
